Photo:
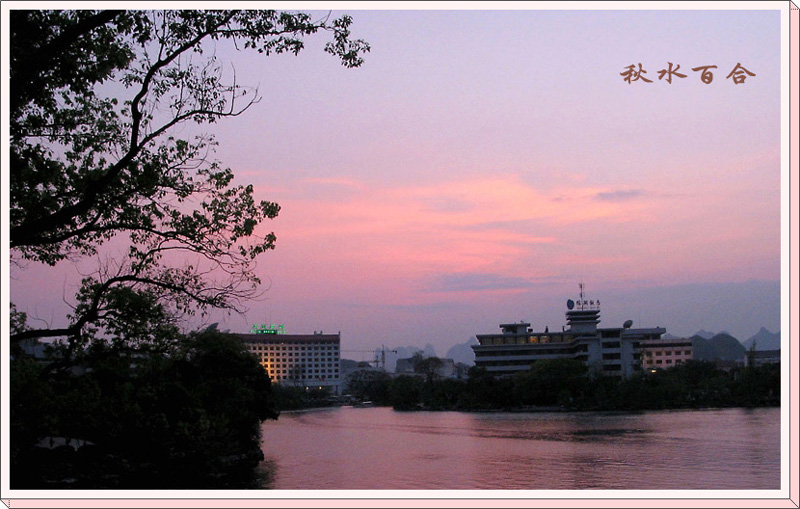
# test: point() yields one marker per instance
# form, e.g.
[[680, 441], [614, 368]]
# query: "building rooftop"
[[283, 338]]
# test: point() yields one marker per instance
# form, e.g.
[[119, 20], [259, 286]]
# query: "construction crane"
[[383, 357], [379, 353]]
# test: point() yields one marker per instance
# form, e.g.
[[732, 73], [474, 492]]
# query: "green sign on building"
[[263, 329]]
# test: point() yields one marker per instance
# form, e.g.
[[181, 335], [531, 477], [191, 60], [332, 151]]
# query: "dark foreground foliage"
[[565, 384], [107, 110], [185, 420]]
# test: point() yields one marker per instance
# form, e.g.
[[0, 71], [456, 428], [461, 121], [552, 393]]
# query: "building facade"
[[665, 353], [610, 351], [762, 358], [301, 360]]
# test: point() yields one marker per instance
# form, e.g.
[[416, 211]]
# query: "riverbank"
[[564, 385]]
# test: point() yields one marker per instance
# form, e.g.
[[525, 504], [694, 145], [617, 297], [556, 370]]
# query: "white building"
[[302, 360], [611, 351]]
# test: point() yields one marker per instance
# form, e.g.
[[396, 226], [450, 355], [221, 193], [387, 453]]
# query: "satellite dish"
[[627, 324], [570, 304]]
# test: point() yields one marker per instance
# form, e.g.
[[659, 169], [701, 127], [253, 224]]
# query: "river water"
[[379, 448]]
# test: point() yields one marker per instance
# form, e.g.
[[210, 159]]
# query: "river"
[[379, 448]]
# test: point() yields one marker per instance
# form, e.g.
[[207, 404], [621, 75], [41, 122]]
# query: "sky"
[[481, 164]]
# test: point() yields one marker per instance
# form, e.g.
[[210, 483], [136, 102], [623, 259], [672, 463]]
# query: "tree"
[[484, 391], [550, 382], [369, 385], [181, 420], [96, 100], [405, 392], [429, 367]]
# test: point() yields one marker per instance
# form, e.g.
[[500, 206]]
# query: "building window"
[[611, 344]]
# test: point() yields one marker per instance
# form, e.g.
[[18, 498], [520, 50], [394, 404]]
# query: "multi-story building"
[[762, 357], [611, 351], [302, 360], [665, 353]]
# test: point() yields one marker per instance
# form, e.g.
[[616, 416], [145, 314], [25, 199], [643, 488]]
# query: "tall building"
[[614, 351], [301, 360]]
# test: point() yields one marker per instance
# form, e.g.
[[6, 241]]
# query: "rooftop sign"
[[263, 329]]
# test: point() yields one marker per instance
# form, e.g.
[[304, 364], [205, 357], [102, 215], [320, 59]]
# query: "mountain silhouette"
[[720, 347], [764, 340], [463, 352], [704, 334]]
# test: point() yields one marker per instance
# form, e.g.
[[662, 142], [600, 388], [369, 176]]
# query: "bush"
[[190, 419]]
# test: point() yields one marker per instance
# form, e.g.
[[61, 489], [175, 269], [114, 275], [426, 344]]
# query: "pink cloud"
[[400, 236]]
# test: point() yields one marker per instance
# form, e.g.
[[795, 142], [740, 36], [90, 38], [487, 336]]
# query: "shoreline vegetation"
[[566, 385], [192, 418], [186, 418]]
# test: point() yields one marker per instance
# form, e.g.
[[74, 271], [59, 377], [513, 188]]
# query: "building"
[[665, 353], [301, 360], [612, 351], [762, 357]]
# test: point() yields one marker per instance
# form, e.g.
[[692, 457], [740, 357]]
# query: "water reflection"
[[378, 448]]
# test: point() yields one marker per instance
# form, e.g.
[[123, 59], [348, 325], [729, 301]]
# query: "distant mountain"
[[348, 363], [764, 340], [348, 366], [720, 347], [728, 347], [704, 334], [429, 351], [702, 349], [463, 353], [670, 336], [400, 352]]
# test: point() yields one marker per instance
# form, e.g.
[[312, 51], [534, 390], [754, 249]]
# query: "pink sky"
[[479, 165]]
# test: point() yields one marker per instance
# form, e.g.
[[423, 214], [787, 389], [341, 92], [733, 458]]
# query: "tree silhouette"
[[99, 104]]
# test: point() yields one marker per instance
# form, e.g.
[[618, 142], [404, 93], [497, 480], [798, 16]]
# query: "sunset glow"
[[480, 164]]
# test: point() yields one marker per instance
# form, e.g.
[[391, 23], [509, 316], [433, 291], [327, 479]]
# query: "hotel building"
[[301, 360], [614, 351]]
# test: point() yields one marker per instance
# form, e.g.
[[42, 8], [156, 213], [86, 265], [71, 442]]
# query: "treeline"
[[288, 397], [186, 418], [566, 384]]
